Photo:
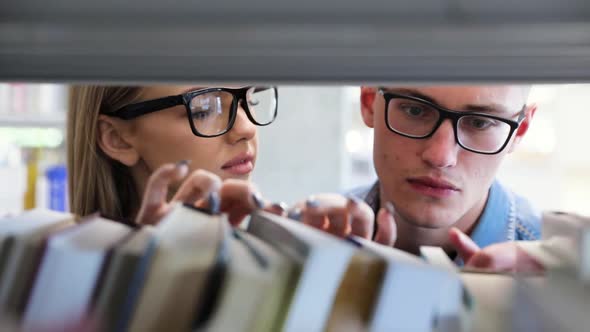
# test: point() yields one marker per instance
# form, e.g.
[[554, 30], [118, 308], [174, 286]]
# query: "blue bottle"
[[57, 185]]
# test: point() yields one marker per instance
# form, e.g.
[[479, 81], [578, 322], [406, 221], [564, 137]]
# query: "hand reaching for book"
[[499, 257], [343, 216], [201, 188]]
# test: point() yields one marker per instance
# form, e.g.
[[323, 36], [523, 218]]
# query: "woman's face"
[[166, 137]]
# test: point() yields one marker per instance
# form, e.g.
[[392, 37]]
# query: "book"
[[323, 260], [118, 278], [355, 299], [438, 303], [186, 272], [23, 238], [567, 236], [69, 272], [256, 289]]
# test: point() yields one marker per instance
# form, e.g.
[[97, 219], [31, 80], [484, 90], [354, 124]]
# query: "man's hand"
[[343, 216], [499, 257]]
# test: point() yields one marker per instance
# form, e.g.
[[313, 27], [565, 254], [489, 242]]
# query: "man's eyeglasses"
[[212, 112], [476, 132]]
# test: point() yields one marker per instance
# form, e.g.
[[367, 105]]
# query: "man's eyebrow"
[[480, 108], [412, 93], [492, 108]]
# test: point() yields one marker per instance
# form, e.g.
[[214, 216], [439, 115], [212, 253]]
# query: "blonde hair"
[[95, 181]]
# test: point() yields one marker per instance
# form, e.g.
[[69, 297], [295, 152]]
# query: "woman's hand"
[[201, 188]]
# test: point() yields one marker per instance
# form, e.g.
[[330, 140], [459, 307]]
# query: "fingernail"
[[281, 206], [353, 199], [389, 208], [183, 166], [312, 203], [294, 214], [257, 198], [481, 261], [213, 200]]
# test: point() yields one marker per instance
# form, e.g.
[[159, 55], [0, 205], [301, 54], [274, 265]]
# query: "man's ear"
[[524, 126], [368, 95], [113, 140]]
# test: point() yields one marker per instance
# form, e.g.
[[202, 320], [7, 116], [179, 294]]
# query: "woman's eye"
[[253, 101], [200, 115]]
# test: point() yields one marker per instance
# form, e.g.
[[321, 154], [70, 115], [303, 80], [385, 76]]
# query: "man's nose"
[[441, 148]]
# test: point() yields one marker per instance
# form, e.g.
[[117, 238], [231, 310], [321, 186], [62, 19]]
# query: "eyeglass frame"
[[454, 116], [138, 109]]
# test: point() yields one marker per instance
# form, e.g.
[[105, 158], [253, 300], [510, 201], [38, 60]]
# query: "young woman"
[[129, 142]]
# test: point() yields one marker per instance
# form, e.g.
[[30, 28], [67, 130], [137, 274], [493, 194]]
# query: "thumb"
[[464, 245], [386, 227]]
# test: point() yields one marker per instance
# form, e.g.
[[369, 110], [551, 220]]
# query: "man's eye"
[[413, 110], [480, 123]]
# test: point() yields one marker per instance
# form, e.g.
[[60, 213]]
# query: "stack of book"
[[560, 300], [193, 272]]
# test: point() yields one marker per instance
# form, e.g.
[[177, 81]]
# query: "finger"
[[387, 229], [525, 263], [505, 257], [499, 257], [338, 221], [239, 198], [197, 187], [362, 218], [280, 209], [313, 214], [464, 245], [154, 204]]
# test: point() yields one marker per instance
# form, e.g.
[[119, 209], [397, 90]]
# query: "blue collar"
[[498, 221]]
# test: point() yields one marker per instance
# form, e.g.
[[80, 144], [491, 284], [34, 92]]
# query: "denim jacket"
[[506, 216]]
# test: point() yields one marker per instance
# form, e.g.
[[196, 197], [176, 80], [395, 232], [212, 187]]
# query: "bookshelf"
[[309, 41], [53, 120]]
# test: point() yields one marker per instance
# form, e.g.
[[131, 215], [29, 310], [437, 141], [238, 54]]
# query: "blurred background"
[[317, 144]]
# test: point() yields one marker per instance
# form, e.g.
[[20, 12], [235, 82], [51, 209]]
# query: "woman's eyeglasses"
[[212, 112]]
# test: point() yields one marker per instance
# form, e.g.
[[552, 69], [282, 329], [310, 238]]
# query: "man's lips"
[[433, 187], [433, 182]]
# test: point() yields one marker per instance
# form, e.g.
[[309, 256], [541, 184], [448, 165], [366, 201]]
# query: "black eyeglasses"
[[414, 117], [212, 112]]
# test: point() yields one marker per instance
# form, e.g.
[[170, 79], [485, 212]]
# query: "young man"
[[436, 152]]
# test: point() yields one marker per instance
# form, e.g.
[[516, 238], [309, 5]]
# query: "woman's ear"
[[367, 100], [524, 126], [113, 138]]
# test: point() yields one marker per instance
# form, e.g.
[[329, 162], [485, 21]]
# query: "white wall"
[[301, 153]]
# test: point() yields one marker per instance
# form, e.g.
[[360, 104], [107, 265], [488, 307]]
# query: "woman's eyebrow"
[[194, 88]]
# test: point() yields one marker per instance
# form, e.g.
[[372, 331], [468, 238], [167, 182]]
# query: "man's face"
[[433, 182]]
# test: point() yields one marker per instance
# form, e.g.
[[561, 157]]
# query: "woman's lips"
[[433, 187], [240, 165]]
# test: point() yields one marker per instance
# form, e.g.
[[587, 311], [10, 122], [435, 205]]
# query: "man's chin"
[[432, 219]]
